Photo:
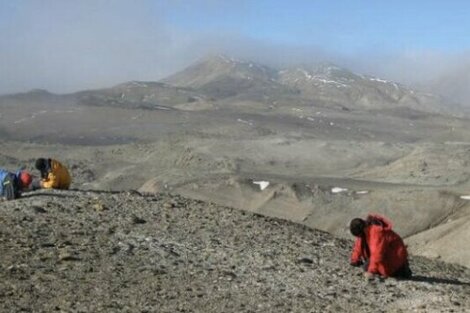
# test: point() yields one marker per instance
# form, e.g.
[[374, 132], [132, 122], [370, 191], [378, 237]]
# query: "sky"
[[66, 46]]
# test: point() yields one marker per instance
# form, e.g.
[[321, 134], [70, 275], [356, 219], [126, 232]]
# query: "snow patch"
[[306, 74], [463, 143], [138, 84], [244, 122], [338, 189], [262, 184], [326, 81], [64, 111], [379, 80], [20, 120], [465, 197], [362, 192]]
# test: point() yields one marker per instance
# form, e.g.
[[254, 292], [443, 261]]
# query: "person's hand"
[[356, 264], [368, 276], [36, 184]]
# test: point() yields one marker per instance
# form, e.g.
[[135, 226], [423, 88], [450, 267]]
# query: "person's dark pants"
[[365, 265], [402, 272]]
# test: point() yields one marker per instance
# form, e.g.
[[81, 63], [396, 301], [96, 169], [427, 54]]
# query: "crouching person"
[[54, 175], [12, 184], [378, 248]]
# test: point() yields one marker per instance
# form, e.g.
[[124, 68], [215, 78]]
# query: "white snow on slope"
[[244, 122], [262, 184], [379, 80], [338, 189]]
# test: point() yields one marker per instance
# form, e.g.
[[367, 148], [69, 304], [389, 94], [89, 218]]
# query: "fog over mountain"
[[64, 47], [454, 83], [64, 74]]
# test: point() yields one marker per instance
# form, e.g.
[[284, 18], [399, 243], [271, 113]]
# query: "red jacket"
[[385, 250]]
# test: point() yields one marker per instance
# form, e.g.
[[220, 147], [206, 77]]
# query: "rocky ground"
[[90, 251]]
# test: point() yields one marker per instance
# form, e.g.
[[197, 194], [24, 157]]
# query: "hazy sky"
[[66, 46]]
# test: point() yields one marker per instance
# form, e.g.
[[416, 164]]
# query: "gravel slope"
[[77, 251]]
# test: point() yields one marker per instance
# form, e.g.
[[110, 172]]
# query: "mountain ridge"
[[220, 80], [321, 81]]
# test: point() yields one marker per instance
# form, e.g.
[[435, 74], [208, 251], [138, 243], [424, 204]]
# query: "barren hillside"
[[78, 251]]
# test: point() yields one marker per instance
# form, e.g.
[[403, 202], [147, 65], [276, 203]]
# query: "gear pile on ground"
[[84, 251]]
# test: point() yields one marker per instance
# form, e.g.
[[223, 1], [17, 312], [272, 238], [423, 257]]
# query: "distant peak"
[[229, 60], [320, 72], [331, 69], [219, 58], [39, 92], [140, 84]]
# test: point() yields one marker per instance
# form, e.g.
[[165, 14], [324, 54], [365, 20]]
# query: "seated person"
[[53, 174], [12, 184]]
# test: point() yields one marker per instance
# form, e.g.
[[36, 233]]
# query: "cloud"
[[65, 46], [447, 74]]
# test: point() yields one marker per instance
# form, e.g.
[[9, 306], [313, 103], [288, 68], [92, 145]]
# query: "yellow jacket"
[[58, 177]]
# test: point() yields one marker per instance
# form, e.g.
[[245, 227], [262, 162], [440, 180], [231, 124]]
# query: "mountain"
[[34, 97], [220, 67], [221, 81], [224, 77], [96, 251], [332, 83]]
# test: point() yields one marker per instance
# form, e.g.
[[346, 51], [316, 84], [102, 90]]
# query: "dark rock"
[[138, 220], [305, 260], [38, 209]]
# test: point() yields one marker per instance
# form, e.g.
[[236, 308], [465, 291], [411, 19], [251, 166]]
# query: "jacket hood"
[[378, 219]]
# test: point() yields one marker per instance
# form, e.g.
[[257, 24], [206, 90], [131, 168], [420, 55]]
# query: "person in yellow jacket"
[[54, 175]]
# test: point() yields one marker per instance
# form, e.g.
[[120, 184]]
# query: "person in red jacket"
[[378, 248]]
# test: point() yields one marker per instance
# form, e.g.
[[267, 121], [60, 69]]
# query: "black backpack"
[[11, 187]]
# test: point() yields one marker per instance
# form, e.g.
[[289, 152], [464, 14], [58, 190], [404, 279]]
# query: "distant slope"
[[141, 95], [330, 82], [34, 98], [447, 240], [102, 252]]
